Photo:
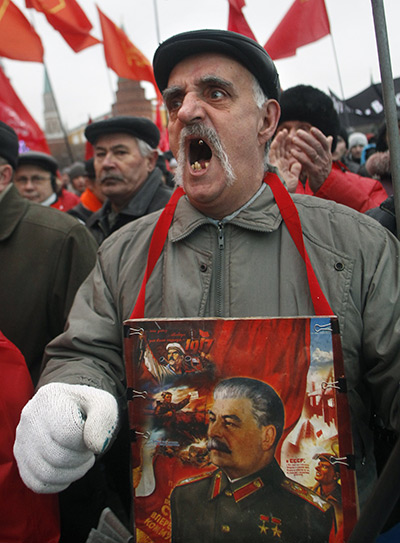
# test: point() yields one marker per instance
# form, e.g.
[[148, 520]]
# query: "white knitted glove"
[[61, 429]]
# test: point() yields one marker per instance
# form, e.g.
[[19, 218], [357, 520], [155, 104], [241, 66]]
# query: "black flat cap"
[[239, 47], [8, 144], [139, 127], [36, 158]]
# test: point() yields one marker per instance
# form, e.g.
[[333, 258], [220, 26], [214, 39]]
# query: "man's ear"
[[6, 175], [269, 437], [271, 111], [152, 161]]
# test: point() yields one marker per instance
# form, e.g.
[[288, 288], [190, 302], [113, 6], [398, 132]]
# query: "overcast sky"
[[84, 87]]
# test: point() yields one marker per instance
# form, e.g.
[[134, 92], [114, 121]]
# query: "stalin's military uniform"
[[265, 506]]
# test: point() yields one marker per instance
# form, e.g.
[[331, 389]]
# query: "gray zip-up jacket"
[[249, 266]]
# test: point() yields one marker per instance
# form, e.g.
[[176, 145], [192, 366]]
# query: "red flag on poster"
[[305, 22], [69, 19], [14, 113], [13, 23], [237, 21], [122, 56]]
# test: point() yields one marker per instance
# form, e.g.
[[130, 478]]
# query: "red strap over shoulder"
[[292, 221], [156, 246], [289, 215]]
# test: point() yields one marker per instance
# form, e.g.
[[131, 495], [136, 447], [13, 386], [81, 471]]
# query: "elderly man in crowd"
[[125, 156], [227, 253]]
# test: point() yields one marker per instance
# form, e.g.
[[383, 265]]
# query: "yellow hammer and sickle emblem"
[[3, 8], [52, 6]]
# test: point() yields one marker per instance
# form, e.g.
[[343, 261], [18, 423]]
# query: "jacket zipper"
[[220, 271]]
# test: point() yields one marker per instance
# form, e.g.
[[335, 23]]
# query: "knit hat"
[[8, 144], [357, 138], [76, 170], [138, 127], [239, 47], [308, 104]]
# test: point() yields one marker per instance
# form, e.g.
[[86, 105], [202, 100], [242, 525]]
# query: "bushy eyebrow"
[[204, 81], [117, 147], [234, 418]]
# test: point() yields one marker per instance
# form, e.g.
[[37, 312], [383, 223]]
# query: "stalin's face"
[[236, 443]]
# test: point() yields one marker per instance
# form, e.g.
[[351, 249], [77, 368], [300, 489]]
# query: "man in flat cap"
[[302, 151], [228, 252], [36, 179], [248, 497], [125, 156]]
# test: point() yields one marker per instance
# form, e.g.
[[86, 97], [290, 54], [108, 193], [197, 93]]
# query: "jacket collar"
[[12, 209], [246, 486], [262, 215]]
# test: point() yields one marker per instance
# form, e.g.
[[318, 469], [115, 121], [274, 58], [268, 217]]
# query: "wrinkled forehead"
[[203, 65], [114, 139]]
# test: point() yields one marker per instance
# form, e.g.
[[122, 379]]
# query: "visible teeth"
[[197, 166]]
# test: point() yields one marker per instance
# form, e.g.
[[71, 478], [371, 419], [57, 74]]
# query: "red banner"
[[237, 21], [14, 113], [67, 17], [13, 23], [122, 56], [305, 22]]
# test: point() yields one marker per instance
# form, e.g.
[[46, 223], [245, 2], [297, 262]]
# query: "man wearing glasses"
[[36, 180]]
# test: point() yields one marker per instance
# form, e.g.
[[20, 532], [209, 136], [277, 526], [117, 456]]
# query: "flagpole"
[[389, 101], [387, 490], [157, 21], [346, 118]]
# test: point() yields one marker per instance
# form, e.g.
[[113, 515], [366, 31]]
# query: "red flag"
[[14, 113], [237, 21], [305, 22], [89, 153], [122, 56], [69, 19], [164, 139], [18, 39]]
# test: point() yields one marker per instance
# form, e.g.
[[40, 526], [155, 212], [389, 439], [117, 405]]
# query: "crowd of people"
[[74, 249]]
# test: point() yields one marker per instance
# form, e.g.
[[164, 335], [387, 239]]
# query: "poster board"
[[183, 491]]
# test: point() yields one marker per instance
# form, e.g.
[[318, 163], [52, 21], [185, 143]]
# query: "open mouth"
[[200, 155]]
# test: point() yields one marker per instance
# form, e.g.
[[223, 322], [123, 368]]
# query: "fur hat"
[[308, 104]]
